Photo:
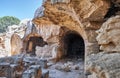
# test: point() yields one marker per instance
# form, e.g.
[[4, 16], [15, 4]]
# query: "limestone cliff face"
[[106, 64], [95, 21], [108, 35], [103, 65], [82, 16]]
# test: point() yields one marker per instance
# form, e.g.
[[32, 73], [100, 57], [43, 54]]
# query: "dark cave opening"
[[33, 42], [112, 11], [74, 45]]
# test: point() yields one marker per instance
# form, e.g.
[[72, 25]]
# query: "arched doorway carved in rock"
[[34, 41], [73, 45]]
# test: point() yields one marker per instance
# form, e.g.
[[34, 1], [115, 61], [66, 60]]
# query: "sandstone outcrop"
[[16, 44], [23, 66], [108, 35], [103, 65], [65, 28], [75, 16], [106, 64], [86, 17]]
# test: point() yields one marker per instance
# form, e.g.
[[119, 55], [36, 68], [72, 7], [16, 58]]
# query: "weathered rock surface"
[[103, 65], [73, 15], [45, 73], [16, 44], [52, 21], [11, 41], [50, 35], [109, 35], [66, 68], [34, 71], [23, 66], [39, 12]]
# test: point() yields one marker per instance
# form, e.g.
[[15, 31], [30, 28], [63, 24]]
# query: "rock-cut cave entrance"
[[33, 42], [74, 45]]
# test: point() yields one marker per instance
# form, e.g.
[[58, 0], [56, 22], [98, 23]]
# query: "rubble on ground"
[[24, 66]]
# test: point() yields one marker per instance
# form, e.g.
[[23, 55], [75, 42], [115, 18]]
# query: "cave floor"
[[67, 68]]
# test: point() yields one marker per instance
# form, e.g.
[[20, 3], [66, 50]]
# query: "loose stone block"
[[38, 72], [45, 73], [42, 63], [5, 70]]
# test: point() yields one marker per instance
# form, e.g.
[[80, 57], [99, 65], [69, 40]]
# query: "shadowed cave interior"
[[112, 11], [33, 42], [74, 45]]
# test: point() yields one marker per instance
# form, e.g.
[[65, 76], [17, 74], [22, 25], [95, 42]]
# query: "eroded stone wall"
[[86, 17], [76, 16], [108, 35], [94, 20], [106, 63]]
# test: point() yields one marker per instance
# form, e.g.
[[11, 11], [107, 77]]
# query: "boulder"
[[103, 65], [108, 35], [45, 73]]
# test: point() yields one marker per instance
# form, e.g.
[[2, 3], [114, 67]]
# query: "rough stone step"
[[5, 70], [28, 74], [42, 63], [34, 71], [45, 73], [38, 71]]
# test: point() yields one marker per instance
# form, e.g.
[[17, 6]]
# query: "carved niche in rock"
[[33, 42], [16, 44]]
